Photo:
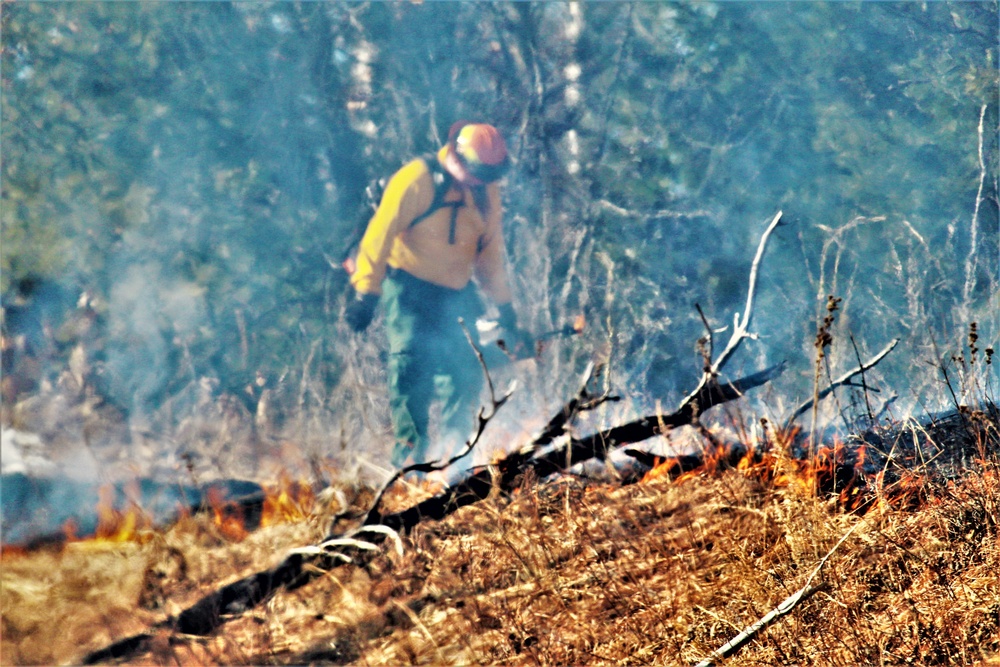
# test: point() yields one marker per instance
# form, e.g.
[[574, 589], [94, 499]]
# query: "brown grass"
[[567, 572]]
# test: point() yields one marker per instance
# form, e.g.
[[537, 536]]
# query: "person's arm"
[[491, 261], [407, 194], [399, 206], [492, 275]]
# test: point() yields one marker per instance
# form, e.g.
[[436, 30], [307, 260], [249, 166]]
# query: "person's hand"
[[516, 341], [519, 343], [360, 311]]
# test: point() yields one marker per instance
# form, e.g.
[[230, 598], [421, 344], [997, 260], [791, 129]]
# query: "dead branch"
[[662, 214], [841, 381], [707, 394], [748, 633], [786, 606], [599, 444], [209, 612], [741, 325], [583, 401], [303, 565]]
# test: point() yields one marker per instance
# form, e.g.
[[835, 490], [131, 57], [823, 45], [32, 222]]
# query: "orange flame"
[[712, 461], [285, 502], [579, 323], [289, 501], [836, 471], [227, 517], [119, 526], [113, 525]]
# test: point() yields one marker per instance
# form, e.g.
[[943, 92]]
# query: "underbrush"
[[664, 574], [563, 572]]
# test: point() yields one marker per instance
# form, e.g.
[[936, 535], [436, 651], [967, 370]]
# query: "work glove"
[[516, 341], [360, 311]]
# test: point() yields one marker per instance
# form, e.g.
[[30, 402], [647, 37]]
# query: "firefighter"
[[437, 227]]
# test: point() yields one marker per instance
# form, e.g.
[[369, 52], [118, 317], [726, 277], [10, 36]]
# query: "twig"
[[582, 402], [740, 325], [661, 214], [864, 383], [970, 262], [842, 380], [786, 606], [706, 353], [598, 444]]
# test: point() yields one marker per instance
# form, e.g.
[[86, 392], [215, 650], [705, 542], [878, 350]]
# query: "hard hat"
[[481, 149]]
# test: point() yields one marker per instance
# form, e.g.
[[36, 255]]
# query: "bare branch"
[[662, 214], [740, 325], [970, 261], [708, 351], [841, 381], [599, 444], [786, 606], [864, 383], [582, 402]]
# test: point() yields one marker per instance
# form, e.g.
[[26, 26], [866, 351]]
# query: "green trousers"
[[429, 359]]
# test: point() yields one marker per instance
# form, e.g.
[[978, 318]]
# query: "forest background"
[[180, 182]]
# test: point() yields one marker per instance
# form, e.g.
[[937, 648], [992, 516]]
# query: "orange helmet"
[[481, 150]]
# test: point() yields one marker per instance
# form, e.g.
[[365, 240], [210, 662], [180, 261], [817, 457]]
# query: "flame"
[[579, 323], [712, 461], [118, 516], [131, 525], [836, 471], [228, 517], [113, 525], [287, 502]]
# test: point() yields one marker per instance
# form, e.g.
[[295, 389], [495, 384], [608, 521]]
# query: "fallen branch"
[[582, 402], [599, 444], [707, 394], [209, 612], [786, 606], [748, 633], [741, 325], [841, 381]]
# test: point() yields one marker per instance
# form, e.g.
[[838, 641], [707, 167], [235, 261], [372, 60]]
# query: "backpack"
[[373, 196]]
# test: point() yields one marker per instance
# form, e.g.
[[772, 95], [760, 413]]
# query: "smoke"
[[649, 163]]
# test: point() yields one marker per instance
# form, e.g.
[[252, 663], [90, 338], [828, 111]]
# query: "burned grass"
[[562, 572]]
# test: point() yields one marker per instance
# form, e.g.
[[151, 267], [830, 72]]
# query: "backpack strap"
[[442, 180]]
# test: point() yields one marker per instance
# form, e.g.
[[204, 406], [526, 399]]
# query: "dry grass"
[[566, 572]]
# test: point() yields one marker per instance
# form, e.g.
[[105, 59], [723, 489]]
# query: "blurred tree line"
[[179, 179]]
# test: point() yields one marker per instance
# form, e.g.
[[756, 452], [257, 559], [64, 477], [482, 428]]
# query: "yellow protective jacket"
[[424, 250]]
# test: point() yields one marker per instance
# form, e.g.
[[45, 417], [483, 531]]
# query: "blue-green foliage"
[[196, 168]]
